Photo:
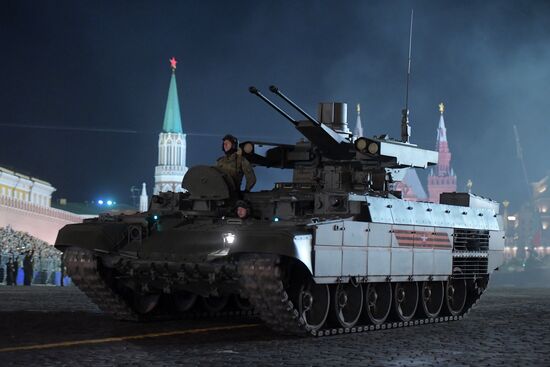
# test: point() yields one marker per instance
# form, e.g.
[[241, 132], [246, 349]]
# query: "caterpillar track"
[[262, 278], [82, 267]]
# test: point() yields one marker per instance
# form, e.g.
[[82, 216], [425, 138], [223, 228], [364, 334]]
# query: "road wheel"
[[455, 296], [378, 302], [405, 300], [347, 304], [184, 300], [313, 304], [215, 304], [145, 303], [432, 295], [242, 304]]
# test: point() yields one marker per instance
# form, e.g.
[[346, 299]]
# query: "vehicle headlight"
[[367, 146], [361, 144], [229, 238], [373, 148]]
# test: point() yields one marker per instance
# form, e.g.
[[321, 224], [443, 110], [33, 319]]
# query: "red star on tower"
[[173, 63]]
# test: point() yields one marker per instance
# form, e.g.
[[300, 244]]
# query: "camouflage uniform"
[[235, 165]]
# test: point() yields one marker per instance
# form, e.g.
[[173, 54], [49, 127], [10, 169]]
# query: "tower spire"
[[143, 199], [172, 117], [358, 132], [441, 129]]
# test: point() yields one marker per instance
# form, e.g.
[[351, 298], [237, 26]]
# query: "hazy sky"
[[104, 65]]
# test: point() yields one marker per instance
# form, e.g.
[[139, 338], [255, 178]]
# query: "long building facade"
[[25, 188], [541, 199], [25, 205]]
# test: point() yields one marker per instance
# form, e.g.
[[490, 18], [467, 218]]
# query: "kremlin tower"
[[143, 199], [358, 131], [442, 177], [172, 143]]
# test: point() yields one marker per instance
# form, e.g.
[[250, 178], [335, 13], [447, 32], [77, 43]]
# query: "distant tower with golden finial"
[[442, 177]]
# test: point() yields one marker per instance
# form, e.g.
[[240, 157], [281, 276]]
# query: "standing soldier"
[[11, 269], [63, 272], [9, 266], [15, 269], [1, 270], [234, 164], [28, 264]]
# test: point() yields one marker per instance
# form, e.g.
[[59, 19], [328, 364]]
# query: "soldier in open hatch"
[[242, 209], [234, 164]]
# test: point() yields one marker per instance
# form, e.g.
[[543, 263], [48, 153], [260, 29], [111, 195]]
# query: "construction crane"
[[519, 152]]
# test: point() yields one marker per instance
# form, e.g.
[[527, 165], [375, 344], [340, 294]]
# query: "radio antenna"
[[405, 127]]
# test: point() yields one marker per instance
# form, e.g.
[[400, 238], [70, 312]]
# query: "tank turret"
[[368, 163]]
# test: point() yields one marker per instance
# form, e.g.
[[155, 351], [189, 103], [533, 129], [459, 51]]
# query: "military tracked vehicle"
[[334, 250]]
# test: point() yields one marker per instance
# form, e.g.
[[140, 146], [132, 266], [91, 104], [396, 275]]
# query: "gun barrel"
[[333, 145], [278, 92], [255, 91]]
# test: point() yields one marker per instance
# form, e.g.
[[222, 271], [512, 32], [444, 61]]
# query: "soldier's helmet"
[[234, 143], [242, 204]]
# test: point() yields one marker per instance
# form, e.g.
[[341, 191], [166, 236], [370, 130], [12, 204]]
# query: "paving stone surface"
[[509, 327]]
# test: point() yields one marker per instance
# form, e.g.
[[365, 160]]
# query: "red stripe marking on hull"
[[435, 240]]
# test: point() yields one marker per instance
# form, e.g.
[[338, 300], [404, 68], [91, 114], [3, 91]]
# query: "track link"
[[261, 277], [261, 280], [82, 268]]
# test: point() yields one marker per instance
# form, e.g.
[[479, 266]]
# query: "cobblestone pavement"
[[509, 327]]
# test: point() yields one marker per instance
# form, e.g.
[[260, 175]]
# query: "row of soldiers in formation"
[[27, 269], [26, 260], [12, 269]]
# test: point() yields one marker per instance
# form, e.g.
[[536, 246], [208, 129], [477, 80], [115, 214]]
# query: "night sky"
[[71, 68]]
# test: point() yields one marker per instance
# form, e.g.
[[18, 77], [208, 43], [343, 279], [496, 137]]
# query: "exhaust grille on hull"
[[470, 253], [470, 267], [471, 240]]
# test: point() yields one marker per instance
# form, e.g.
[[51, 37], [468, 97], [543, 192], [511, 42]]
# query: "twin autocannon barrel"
[[255, 91], [332, 144], [278, 92]]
